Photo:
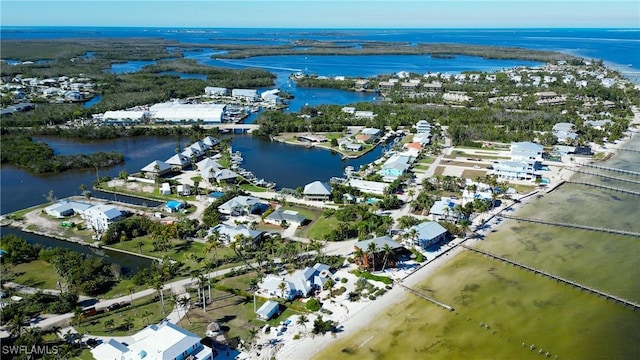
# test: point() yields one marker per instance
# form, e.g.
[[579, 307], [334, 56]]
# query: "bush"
[[372, 297], [344, 280], [369, 276], [313, 305]]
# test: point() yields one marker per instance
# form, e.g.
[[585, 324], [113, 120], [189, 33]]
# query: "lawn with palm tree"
[[124, 321]]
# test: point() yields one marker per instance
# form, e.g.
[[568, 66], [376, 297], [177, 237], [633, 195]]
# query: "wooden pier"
[[605, 187], [617, 299], [605, 168], [629, 150], [593, 173], [574, 226], [428, 298]]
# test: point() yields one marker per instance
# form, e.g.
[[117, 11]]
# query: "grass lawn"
[[140, 315], [427, 160], [37, 273], [319, 228], [421, 167], [473, 174], [309, 213], [21, 213], [232, 312], [85, 355], [439, 171], [251, 187]]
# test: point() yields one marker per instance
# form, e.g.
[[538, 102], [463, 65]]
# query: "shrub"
[[313, 305], [372, 297], [344, 280]]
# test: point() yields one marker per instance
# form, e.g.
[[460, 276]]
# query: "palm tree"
[[131, 291], [184, 302], [201, 281], [145, 316], [282, 287], [253, 287], [252, 334], [372, 249], [78, 316], [302, 321], [329, 286], [108, 324], [388, 252], [359, 255], [413, 234], [158, 286], [139, 244], [128, 323], [16, 325]]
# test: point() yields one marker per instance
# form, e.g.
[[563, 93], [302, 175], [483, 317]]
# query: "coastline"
[[345, 156]]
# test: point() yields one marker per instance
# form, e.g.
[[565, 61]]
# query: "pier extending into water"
[[629, 150], [573, 226], [593, 173], [611, 188], [606, 168], [428, 298], [617, 299]]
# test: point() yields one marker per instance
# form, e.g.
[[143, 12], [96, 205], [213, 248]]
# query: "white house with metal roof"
[[179, 161], [300, 283], [156, 168], [268, 309], [443, 210], [526, 151], [240, 205], [245, 94], [229, 233], [156, 342], [369, 187], [427, 234], [99, 217], [317, 190], [289, 216]]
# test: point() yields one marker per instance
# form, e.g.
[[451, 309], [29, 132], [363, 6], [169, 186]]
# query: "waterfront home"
[[427, 233], [245, 94], [364, 114], [433, 87], [514, 170], [348, 110], [175, 206], [362, 84], [179, 161], [271, 96], [317, 190], [210, 141], [241, 205], [368, 135], [193, 153], [423, 126], [268, 309], [215, 174], [207, 163], [99, 217], [386, 85], [155, 169], [409, 86], [349, 146], [312, 138], [394, 167], [564, 132], [215, 91], [281, 216], [199, 147], [230, 233], [526, 151], [177, 111], [443, 210], [300, 283], [366, 261], [369, 187], [157, 341], [65, 208]]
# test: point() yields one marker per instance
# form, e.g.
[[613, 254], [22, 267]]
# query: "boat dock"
[[592, 173], [605, 168], [428, 298], [611, 188], [608, 296], [574, 226], [629, 150]]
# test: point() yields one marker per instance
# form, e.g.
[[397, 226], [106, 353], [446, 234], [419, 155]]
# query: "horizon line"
[[324, 28]]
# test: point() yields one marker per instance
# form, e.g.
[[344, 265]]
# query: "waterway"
[[129, 263]]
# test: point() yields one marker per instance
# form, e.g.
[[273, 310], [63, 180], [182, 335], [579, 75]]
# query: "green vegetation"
[[124, 321], [36, 273], [39, 157], [369, 276]]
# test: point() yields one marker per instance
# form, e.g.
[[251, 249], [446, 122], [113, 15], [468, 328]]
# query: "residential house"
[[210, 141], [394, 167], [349, 146], [380, 244], [409, 86], [278, 216], [427, 233], [99, 217], [229, 234], [155, 342], [179, 161], [317, 190], [174, 206], [369, 135], [386, 85], [268, 309], [526, 151], [240, 205], [433, 87], [564, 132], [443, 210], [423, 126], [423, 138], [360, 114], [369, 187], [156, 168], [183, 189], [514, 170], [271, 96], [165, 189], [349, 110], [362, 84], [300, 283]]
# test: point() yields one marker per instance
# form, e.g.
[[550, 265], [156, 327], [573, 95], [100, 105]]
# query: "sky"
[[324, 14]]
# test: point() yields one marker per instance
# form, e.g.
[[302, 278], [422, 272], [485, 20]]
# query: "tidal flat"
[[500, 312]]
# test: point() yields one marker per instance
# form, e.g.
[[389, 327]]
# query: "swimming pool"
[[372, 200], [216, 194], [545, 181]]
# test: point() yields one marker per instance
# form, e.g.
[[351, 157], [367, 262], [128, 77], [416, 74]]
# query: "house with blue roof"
[[443, 210], [427, 234]]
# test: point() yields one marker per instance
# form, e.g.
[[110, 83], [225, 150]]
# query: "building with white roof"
[[369, 187], [176, 111], [99, 217], [240, 205], [268, 309], [317, 190], [443, 210], [526, 151], [215, 91], [125, 115], [179, 161], [300, 283], [156, 342], [229, 233], [245, 94], [564, 132], [514, 170], [156, 168], [291, 217], [423, 126]]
